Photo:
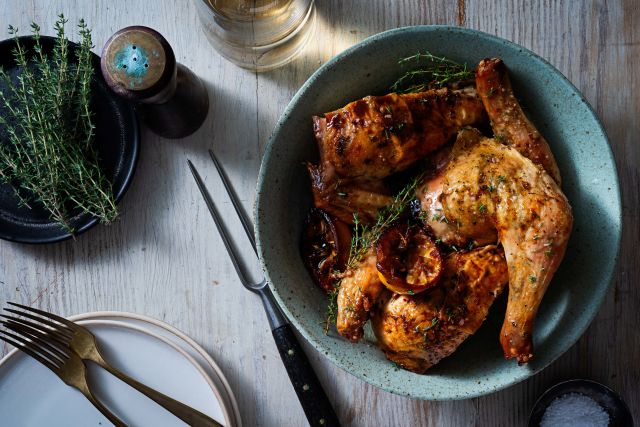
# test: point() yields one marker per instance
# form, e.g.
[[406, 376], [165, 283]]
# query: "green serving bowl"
[[589, 181]]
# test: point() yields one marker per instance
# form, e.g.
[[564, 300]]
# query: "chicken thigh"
[[503, 190], [416, 332], [489, 191]]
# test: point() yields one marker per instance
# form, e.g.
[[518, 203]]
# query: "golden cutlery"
[[63, 334]]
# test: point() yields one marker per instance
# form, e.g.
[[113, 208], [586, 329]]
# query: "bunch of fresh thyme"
[[46, 129], [365, 235], [430, 72]]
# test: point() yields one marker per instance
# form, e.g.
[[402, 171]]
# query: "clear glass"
[[257, 34]]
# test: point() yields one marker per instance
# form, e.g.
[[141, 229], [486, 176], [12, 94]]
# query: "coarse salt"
[[574, 410]]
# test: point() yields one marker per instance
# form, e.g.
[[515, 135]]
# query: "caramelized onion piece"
[[325, 247], [408, 260]]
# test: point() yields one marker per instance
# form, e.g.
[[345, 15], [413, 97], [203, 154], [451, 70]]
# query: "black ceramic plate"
[[117, 141], [619, 414]]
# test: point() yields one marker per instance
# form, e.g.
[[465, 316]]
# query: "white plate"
[[156, 354]]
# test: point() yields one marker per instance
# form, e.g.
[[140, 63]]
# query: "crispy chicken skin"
[[359, 290], [379, 135], [373, 137], [489, 187], [416, 332], [507, 119]]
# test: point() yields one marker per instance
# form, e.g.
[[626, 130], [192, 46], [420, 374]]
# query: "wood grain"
[[164, 259]]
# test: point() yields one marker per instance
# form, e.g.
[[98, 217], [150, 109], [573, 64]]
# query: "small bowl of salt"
[[580, 403]]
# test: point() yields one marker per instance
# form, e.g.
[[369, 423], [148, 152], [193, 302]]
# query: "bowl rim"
[[326, 351], [127, 111]]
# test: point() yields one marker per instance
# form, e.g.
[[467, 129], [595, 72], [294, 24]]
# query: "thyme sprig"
[[332, 308], [364, 236], [47, 129], [430, 71]]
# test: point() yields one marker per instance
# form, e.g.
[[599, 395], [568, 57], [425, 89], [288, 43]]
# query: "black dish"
[[619, 414], [117, 141]]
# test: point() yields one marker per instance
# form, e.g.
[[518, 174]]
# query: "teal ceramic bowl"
[[589, 181]]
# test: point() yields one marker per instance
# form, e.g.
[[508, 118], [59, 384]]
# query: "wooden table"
[[164, 259]]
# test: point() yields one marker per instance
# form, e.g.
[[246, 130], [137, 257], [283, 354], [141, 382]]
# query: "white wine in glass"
[[257, 34]]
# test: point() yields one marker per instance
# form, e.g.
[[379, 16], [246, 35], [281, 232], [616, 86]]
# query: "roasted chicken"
[[489, 190], [416, 332], [499, 195], [508, 121], [359, 291], [379, 135], [374, 137]]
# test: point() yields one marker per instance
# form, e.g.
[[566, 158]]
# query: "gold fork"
[[69, 335], [63, 362]]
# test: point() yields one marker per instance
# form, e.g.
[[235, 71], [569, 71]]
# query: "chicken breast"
[[416, 332], [374, 137], [378, 135]]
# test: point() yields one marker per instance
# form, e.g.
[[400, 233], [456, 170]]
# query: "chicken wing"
[[359, 290], [416, 332]]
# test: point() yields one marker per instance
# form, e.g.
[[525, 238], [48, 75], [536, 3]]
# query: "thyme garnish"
[[47, 153], [430, 72], [365, 235], [332, 308]]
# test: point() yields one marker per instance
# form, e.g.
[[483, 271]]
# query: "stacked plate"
[[148, 350]]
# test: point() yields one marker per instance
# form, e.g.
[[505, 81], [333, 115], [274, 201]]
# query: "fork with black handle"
[[314, 401]]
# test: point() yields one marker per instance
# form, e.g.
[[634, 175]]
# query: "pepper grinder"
[[139, 65]]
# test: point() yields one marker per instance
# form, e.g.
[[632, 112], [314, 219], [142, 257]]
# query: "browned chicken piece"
[[373, 137], [359, 290], [507, 119], [490, 187], [416, 332], [379, 135], [429, 192], [343, 198]]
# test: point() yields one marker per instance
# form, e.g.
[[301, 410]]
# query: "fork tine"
[[38, 337], [219, 225], [54, 334], [19, 344], [56, 327], [52, 316], [246, 223]]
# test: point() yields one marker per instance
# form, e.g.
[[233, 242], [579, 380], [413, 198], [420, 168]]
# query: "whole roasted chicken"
[[499, 195]]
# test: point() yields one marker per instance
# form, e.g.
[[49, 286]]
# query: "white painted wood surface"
[[164, 259]]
